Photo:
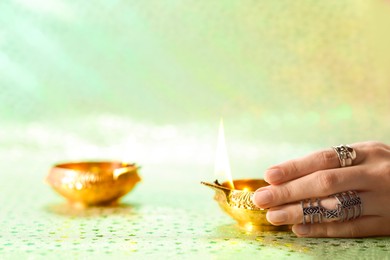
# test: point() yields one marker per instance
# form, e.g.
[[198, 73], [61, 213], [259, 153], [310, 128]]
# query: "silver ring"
[[349, 206], [346, 155], [313, 209]]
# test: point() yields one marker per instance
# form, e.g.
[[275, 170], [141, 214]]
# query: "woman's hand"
[[319, 175]]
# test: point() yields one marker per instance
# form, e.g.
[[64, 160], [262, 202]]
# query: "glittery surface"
[[169, 214]]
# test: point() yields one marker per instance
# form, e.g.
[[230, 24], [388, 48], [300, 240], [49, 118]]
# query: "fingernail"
[[301, 230], [262, 197], [273, 175], [277, 216]]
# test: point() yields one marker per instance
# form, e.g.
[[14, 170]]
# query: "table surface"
[[169, 214]]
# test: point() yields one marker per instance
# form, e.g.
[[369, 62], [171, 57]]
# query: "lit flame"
[[222, 165]]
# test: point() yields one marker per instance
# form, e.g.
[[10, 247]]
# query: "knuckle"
[[378, 151], [285, 193], [319, 231], [382, 171], [350, 230], [327, 231], [377, 147], [295, 216], [332, 231], [375, 144], [354, 230], [327, 181], [291, 168], [327, 157], [385, 168]]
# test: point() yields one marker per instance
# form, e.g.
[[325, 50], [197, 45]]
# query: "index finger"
[[293, 169]]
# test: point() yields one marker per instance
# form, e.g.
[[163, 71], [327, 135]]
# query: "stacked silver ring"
[[349, 206], [314, 209], [346, 154]]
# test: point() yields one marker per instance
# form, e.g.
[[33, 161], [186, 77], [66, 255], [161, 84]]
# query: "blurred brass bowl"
[[238, 203], [93, 183]]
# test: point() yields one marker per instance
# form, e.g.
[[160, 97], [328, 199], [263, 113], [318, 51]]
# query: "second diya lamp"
[[237, 202], [97, 183]]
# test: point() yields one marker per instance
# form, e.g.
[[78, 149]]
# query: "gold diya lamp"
[[235, 196], [237, 203], [93, 183]]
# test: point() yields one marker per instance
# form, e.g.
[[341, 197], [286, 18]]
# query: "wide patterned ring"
[[349, 206]]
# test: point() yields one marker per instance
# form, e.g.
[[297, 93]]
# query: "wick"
[[216, 182]]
